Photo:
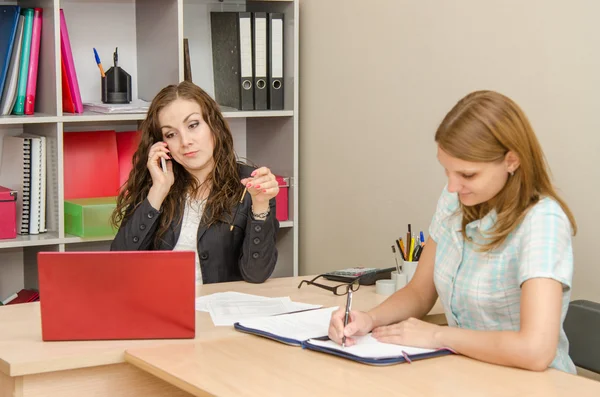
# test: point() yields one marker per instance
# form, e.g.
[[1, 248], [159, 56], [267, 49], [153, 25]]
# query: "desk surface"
[[23, 352], [255, 366]]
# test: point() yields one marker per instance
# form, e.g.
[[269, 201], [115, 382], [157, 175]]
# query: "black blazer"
[[246, 253]]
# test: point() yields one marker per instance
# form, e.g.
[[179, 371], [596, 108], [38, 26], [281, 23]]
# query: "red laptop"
[[117, 295]]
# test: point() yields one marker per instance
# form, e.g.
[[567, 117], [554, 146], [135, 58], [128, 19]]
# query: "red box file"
[[8, 213], [282, 199], [91, 164], [127, 144]]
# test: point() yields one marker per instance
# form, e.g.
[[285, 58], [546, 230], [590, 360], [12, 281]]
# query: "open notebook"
[[309, 329]]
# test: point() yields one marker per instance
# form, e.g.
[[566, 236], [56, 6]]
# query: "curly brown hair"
[[223, 180], [483, 127]]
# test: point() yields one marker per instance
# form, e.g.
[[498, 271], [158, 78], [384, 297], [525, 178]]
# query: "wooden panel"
[[293, 371], [7, 386], [120, 380]]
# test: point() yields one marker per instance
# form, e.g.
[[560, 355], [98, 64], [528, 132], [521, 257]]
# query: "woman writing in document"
[[499, 255], [184, 192]]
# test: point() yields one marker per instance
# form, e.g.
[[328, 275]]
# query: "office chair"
[[582, 326]]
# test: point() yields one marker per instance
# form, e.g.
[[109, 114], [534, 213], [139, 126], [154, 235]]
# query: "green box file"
[[90, 217]]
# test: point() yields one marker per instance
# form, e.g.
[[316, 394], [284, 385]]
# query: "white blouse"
[[188, 240]]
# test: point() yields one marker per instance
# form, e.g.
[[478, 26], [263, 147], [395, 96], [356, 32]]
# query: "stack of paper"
[[136, 106], [227, 308]]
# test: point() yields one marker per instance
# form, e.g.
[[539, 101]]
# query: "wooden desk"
[[31, 367], [256, 366]]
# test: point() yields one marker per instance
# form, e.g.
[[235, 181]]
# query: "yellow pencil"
[[237, 208], [412, 249]]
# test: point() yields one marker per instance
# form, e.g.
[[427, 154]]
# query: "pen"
[[422, 238], [237, 208], [404, 252], [347, 314], [400, 249], [99, 63]]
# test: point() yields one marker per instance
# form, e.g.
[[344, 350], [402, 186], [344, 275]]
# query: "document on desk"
[[291, 328], [369, 350], [368, 347], [233, 307], [229, 296]]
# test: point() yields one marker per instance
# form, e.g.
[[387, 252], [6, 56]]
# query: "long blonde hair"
[[483, 127]]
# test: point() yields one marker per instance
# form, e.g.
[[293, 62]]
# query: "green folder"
[[90, 217], [24, 66]]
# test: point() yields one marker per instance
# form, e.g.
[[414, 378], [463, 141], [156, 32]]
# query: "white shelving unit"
[[149, 35]]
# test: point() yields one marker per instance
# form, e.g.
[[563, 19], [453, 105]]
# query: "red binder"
[[91, 164], [25, 296], [127, 144], [68, 104]]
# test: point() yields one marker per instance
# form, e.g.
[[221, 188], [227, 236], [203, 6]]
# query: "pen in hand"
[[347, 314]]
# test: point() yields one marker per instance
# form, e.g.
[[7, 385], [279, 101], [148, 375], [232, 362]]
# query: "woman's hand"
[[262, 187], [411, 332], [359, 323], [161, 181]]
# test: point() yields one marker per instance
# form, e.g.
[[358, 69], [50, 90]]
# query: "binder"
[[19, 107], [9, 19], [307, 329], [36, 36], [35, 201], [231, 35], [67, 58], [275, 55], [91, 165], [67, 99], [15, 173], [187, 63], [259, 35], [127, 144], [9, 95]]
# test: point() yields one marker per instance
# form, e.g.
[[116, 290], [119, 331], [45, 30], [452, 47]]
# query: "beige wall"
[[376, 78]]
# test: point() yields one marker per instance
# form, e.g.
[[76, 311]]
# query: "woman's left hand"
[[411, 332], [262, 186]]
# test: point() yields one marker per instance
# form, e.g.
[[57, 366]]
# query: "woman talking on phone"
[[192, 201]]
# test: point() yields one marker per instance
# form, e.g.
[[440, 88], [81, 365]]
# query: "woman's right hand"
[[359, 323], [161, 181]]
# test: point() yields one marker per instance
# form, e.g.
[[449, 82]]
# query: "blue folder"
[[9, 19], [306, 344]]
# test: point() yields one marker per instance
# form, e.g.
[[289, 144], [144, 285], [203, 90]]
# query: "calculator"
[[366, 275]]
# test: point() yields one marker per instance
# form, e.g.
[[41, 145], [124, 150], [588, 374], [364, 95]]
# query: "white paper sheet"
[[228, 308], [297, 326], [368, 347]]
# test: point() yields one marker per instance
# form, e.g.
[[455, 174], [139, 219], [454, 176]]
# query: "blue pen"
[[422, 237], [99, 63]]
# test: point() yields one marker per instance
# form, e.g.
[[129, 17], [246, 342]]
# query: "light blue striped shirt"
[[482, 290]]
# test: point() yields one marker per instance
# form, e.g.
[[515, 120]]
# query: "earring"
[[511, 173]]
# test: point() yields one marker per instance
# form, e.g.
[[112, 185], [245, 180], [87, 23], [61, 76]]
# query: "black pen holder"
[[116, 86]]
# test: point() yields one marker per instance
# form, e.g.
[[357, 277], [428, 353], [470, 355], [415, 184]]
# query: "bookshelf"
[[149, 35]]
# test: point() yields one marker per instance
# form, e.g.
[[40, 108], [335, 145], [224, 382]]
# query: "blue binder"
[[305, 323], [9, 18]]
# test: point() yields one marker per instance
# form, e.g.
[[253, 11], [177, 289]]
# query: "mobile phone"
[[163, 164]]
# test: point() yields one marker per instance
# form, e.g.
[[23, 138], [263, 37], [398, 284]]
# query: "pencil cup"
[[409, 269], [385, 287], [400, 281]]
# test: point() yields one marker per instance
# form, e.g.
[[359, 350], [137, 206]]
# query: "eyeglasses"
[[340, 290]]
